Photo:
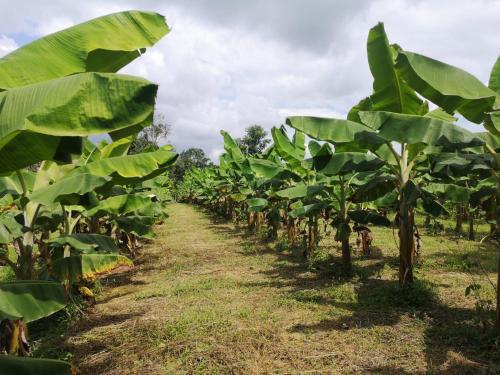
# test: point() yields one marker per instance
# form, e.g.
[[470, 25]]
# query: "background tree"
[[254, 141], [189, 159], [149, 138]]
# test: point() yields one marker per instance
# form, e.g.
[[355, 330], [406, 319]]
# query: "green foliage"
[[30, 300]]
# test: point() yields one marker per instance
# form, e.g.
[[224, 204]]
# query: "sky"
[[229, 64]]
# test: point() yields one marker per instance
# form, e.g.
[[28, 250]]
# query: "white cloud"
[[231, 63], [7, 45]]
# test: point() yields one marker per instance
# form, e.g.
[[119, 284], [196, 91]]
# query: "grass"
[[208, 298]]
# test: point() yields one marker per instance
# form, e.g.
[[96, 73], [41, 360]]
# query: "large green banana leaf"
[[307, 210], [336, 131], [138, 225], [391, 93], [414, 129], [118, 170], [68, 190], [10, 364], [104, 44], [450, 192], [30, 300], [86, 242], [130, 169], [451, 88], [299, 191], [49, 117], [256, 204], [346, 162], [88, 267], [119, 205]]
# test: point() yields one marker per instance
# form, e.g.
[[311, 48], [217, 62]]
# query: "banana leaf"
[[256, 204], [451, 88], [87, 242], [307, 210], [346, 162], [299, 191], [68, 190], [30, 300], [414, 129], [10, 364], [104, 44], [367, 217], [48, 118], [391, 93], [88, 267], [118, 205]]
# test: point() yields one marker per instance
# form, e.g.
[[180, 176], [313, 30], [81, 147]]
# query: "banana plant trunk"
[[471, 236], [250, 220], [346, 249], [291, 231], [406, 242], [346, 254], [311, 236], [460, 219]]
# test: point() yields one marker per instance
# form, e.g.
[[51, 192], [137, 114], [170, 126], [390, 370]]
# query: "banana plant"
[[22, 302], [394, 115], [55, 92]]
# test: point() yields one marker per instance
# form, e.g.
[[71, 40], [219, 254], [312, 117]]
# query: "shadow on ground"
[[448, 330]]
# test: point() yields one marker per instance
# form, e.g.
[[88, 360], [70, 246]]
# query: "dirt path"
[[206, 299]]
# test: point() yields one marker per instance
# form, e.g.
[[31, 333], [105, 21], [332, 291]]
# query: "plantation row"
[[392, 158], [71, 210]]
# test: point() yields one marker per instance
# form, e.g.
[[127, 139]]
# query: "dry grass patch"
[[207, 298]]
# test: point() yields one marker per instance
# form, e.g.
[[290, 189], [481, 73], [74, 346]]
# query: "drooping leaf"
[[414, 129], [49, 118], [68, 190], [118, 205], [300, 191], [88, 267], [138, 225], [10, 364], [375, 188], [256, 204], [450, 192], [307, 210], [130, 169], [336, 131], [87, 242], [30, 300], [368, 217], [346, 162], [449, 87]]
